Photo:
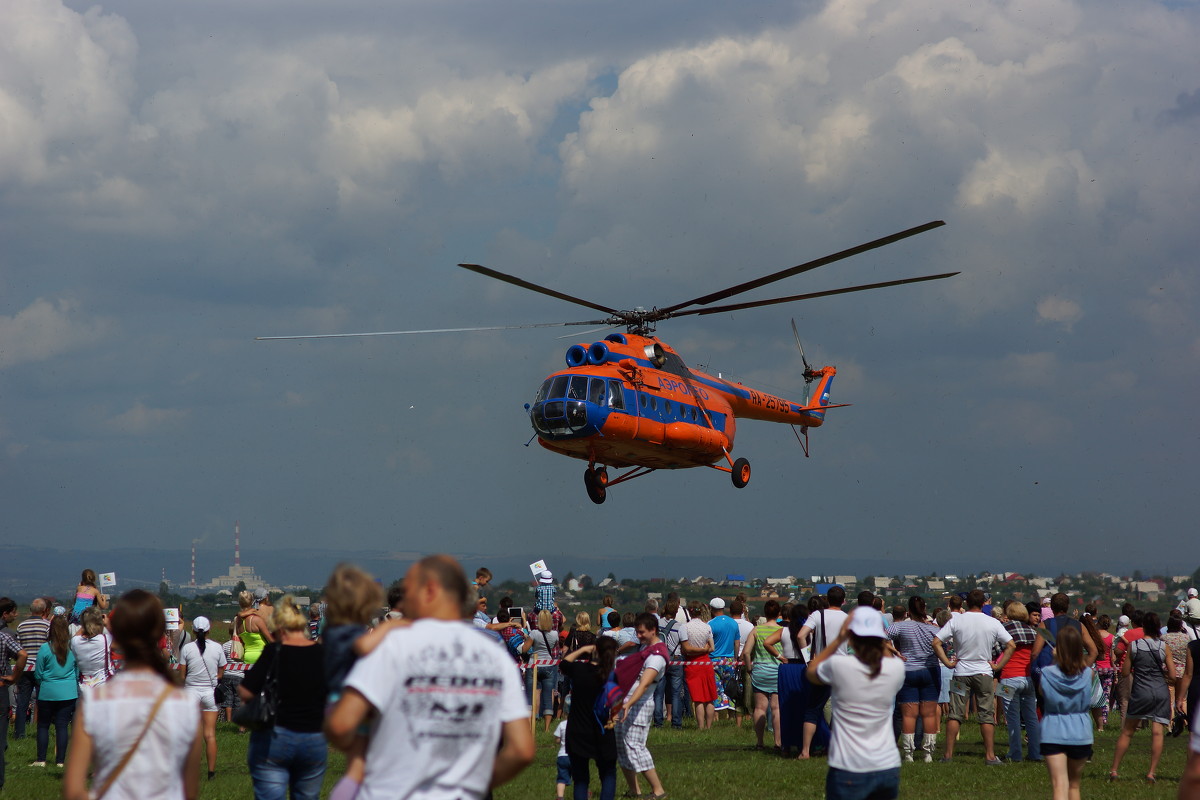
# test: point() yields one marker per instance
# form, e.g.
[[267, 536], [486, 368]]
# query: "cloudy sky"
[[177, 179]]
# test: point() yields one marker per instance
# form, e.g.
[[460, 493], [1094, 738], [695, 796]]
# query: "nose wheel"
[[596, 483]]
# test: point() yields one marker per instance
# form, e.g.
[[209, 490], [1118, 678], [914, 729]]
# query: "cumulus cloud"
[[1060, 310], [46, 329], [142, 420]]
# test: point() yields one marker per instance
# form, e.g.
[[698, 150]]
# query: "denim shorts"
[[883, 784], [920, 686], [564, 770]]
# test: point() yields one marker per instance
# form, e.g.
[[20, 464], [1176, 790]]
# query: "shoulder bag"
[[259, 712], [238, 651], [116, 773]]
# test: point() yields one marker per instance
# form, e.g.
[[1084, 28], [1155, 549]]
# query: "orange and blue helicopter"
[[628, 401]]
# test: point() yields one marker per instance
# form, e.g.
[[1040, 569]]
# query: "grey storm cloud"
[[176, 182]]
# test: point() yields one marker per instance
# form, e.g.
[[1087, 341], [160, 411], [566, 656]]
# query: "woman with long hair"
[[793, 695], [862, 751], [251, 629], [701, 679], [913, 638], [138, 733], [58, 691], [87, 593], [602, 614], [764, 658], [202, 664], [1104, 669], [1149, 663], [1066, 724], [545, 649], [292, 753], [587, 739], [92, 648]]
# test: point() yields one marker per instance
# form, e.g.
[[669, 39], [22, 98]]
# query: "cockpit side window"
[[616, 395], [596, 391], [578, 388], [559, 387], [543, 392]]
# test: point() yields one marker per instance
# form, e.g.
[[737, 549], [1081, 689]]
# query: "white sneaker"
[[38, 764]]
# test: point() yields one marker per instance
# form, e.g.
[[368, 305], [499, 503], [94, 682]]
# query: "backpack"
[[513, 644], [610, 697], [664, 631]]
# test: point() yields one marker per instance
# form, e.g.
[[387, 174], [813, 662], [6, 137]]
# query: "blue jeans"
[[59, 713], [671, 689], [279, 759], [883, 784], [580, 777], [1022, 707], [25, 687], [547, 678]]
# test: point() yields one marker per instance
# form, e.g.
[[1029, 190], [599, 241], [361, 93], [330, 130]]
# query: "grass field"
[[721, 764]]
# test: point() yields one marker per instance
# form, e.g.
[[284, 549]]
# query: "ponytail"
[[868, 650], [201, 637]]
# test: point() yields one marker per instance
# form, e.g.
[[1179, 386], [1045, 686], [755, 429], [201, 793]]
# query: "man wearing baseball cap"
[[1191, 610]]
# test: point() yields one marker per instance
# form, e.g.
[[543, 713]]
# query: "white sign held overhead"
[[536, 567], [108, 580]]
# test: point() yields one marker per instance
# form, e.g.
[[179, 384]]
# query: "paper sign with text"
[[537, 567], [108, 580]]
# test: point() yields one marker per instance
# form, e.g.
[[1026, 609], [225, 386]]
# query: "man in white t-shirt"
[[446, 696], [975, 634], [822, 627]]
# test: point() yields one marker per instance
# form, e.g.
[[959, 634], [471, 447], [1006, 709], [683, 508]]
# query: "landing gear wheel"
[[602, 476], [741, 473], [595, 485]]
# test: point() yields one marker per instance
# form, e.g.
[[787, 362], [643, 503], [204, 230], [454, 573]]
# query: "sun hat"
[[59, 611], [867, 622], [716, 602], [201, 624], [1192, 592], [546, 576], [260, 594]]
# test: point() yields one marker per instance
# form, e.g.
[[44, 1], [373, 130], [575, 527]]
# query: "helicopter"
[[629, 402]]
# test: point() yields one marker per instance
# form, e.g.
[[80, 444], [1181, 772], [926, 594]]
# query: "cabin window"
[[693, 413], [666, 406], [559, 387], [596, 391], [654, 404], [642, 399], [616, 395], [578, 388]]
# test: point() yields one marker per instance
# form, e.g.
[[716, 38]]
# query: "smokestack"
[[193, 583], [237, 544]]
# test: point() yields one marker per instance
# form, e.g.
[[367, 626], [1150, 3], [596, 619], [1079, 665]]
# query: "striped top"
[[914, 640], [33, 633]]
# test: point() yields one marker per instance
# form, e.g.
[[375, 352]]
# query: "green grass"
[[718, 764]]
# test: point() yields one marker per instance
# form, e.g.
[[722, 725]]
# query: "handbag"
[[238, 651], [259, 712]]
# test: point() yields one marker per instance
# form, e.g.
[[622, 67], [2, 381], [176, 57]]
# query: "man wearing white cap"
[[543, 599], [1191, 610], [203, 665], [863, 759]]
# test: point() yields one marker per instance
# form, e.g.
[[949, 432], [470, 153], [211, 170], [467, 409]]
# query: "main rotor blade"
[[533, 287], [810, 296], [435, 330], [787, 273]]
